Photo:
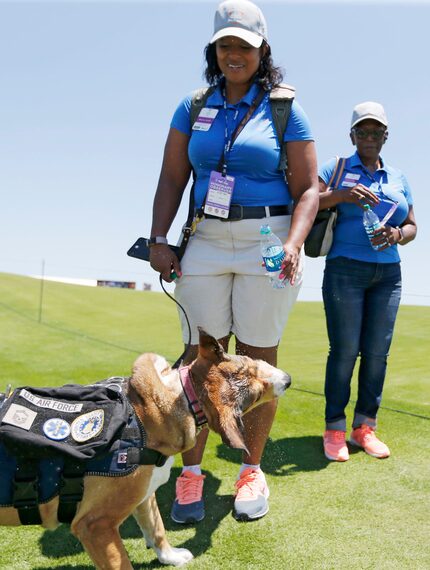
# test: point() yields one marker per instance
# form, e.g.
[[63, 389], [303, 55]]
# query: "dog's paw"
[[174, 556]]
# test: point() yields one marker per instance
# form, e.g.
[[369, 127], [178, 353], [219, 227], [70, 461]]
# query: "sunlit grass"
[[364, 514]]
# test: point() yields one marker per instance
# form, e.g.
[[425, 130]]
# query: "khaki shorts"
[[224, 288]]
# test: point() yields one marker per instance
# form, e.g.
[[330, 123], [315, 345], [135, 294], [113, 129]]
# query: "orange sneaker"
[[335, 447], [364, 437]]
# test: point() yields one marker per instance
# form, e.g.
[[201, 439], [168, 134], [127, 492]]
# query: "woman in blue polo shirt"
[[362, 286], [221, 282]]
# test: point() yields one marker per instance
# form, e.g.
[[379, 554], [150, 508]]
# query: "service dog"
[[223, 387]]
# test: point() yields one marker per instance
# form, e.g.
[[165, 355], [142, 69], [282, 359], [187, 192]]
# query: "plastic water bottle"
[[273, 255], [371, 224]]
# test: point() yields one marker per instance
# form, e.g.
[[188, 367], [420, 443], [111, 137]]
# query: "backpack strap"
[[198, 101], [281, 98]]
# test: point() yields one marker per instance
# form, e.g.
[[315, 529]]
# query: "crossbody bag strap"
[[337, 173], [341, 166]]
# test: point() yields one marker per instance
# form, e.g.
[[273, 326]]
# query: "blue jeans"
[[361, 300]]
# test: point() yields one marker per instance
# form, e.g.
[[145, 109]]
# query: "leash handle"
[[182, 356]]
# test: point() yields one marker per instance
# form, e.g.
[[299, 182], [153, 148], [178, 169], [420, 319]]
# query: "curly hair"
[[268, 75]]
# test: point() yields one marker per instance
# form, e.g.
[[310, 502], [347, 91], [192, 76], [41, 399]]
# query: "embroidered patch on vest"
[[56, 429], [88, 425], [122, 457], [19, 416], [49, 403]]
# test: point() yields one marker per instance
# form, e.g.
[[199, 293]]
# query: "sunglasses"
[[376, 135]]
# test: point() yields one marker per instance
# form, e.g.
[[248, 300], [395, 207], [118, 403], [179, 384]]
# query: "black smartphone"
[[140, 249]]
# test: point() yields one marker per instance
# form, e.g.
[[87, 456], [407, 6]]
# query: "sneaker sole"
[[190, 520], [377, 455], [243, 517], [331, 458]]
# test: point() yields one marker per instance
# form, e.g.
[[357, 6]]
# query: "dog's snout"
[[287, 380], [281, 382]]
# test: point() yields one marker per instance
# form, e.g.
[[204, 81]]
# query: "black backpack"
[[281, 99]]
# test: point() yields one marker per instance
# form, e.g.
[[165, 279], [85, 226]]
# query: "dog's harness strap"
[[25, 491], [145, 456], [132, 433], [71, 490], [190, 394]]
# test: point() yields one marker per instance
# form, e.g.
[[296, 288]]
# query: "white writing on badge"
[[50, 404], [350, 180], [19, 416], [205, 119]]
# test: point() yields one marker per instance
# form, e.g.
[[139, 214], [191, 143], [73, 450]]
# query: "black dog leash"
[[180, 359]]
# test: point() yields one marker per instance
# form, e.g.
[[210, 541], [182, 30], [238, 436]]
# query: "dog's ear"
[[231, 429], [209, 347]]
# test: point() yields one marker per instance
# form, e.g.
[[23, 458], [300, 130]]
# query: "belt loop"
[[267, 210]]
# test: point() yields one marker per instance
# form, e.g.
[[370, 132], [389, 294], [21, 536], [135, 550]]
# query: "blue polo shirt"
[[389, 184], [254, 157]]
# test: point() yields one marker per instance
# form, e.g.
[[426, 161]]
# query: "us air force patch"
[[88, 425], [56, 429]]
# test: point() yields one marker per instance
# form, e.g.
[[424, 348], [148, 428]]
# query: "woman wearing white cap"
[[221, 282], [362, 285]]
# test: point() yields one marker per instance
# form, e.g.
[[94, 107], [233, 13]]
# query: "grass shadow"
[[60, 542], [285, 456], [219, 507]]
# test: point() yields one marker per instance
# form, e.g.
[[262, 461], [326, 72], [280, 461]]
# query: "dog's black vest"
[[75, 422]]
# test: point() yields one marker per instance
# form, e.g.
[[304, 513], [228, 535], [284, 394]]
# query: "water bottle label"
[[274, 262]]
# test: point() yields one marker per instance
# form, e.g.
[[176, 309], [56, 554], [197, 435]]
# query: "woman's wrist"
[[401, 239], [157, 240]]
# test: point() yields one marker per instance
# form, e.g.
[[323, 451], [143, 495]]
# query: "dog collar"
[[190, 394]]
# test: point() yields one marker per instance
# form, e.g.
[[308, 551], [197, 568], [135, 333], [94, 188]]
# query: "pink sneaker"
[[252, 493], [335, 447], [188, 506], [364, 437]]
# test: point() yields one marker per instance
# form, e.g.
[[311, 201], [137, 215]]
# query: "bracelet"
[[157, 240], [402, 235]]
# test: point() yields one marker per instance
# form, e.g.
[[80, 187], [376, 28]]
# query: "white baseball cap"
[[240, 18], [369, 110]]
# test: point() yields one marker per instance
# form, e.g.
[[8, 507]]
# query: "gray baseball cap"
[[240, 18], [369, 110]]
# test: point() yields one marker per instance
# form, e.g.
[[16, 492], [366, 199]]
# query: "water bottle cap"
[[265, 229], [366, 207]]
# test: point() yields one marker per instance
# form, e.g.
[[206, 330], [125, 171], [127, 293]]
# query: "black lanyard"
[[228, 142]]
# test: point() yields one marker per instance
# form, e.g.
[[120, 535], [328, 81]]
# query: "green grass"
[[364, 514]]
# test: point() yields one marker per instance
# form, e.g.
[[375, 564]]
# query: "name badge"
[[350, 180], [205, 119], [219, 195]]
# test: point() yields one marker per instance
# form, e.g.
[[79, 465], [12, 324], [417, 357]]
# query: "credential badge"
[[88, 425]]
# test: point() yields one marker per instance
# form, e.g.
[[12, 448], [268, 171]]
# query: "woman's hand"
[[164, 261], [359, 195], [290, 265], [386, 237]]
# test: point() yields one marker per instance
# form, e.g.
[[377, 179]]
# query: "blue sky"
[[88, 90]]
